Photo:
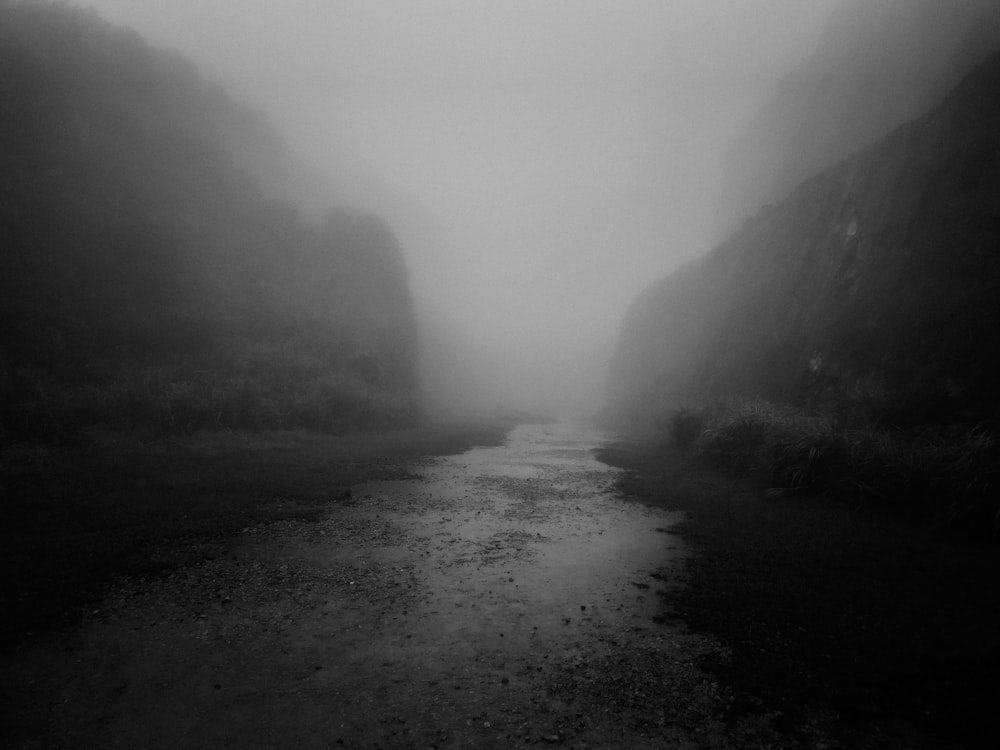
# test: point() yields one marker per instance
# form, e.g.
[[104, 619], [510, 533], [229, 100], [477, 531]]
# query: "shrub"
[[166, 401], [951, 472], [686, 425]]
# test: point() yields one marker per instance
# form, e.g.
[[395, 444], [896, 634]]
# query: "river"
[[504, 596]]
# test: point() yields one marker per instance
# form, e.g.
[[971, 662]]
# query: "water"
[[528, 548]]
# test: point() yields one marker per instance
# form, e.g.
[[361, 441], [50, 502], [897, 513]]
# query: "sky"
[[541, 161]]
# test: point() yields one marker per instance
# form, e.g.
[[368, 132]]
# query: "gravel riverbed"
[[506, 595]]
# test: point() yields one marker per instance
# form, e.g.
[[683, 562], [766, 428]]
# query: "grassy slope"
[[73, 518], [832, 611]]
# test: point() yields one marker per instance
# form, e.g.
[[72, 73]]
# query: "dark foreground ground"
[[300, 591], [875, 631], [73, 518]]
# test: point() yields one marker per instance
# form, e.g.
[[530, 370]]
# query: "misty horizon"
[[540, 163]]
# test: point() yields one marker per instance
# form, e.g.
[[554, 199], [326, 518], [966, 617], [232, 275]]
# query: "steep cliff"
[[151, 273], [876, 66], [875, 283]]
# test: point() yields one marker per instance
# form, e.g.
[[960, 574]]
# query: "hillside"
[[871, 289], [152, 275], [876, 66]]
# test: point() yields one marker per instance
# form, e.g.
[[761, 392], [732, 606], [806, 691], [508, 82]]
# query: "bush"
[[686, 425], [952, 472], [168, 401]]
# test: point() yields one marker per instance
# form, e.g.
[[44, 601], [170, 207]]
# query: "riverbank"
[[843, 623], [75, 518]]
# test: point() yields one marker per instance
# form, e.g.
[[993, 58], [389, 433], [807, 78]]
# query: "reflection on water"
[[530, 542]]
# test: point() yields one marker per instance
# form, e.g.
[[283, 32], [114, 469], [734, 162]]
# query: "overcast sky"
[[541, 161]]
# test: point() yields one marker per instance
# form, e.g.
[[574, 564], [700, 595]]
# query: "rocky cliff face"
[[876, 66], [875, 283]]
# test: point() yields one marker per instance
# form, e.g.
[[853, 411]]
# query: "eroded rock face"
[[876, 66], [875, 281]]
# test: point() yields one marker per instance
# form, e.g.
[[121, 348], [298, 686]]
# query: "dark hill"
[[150, 276], [874, 284], [876, 66]]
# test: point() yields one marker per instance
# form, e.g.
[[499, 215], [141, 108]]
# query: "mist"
[[540, 162], [482, 374]]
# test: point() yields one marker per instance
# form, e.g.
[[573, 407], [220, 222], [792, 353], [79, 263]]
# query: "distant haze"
[[540, 162]]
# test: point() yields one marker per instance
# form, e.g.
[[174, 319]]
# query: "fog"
[[540, 162]]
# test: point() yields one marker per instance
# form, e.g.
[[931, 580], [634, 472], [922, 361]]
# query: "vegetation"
[[153, 276], [953, 473], [844, 338], [841, 620]]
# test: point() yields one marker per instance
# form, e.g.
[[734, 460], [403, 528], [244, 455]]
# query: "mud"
[[504, 596]]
